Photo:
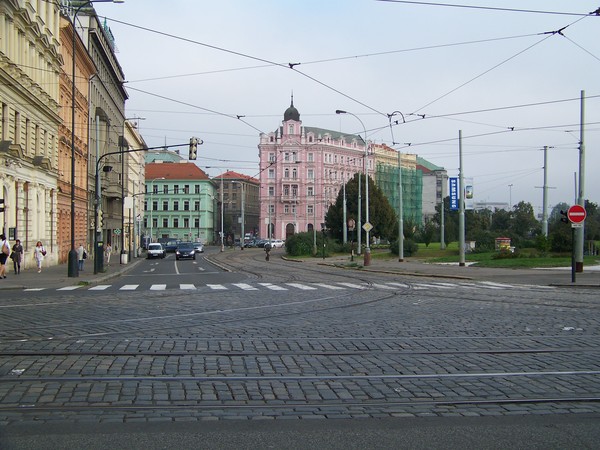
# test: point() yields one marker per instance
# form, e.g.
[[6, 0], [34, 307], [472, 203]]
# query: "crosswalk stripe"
[[329, 286], [217, 287], [34, 289], [129, 287], [353, 285], [429, 285], [401, 285], [68, 288], [100, 287], [493, 285], [245, 286], [187, 287], [273, 287], [158, 287], [301, 286]]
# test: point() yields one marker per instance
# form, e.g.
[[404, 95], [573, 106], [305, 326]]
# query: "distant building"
[[241, 197], [302, 170], [435, 186], [180, 202], [492, 206]]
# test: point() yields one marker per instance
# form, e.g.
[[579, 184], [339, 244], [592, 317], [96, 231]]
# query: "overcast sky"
[[507, 79]]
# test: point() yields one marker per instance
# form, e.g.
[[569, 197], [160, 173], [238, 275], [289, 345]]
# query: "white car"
[[277, 243], [156, 250], [199, 247]]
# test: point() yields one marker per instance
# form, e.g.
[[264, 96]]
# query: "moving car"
[[185, 250], [171, 246], [277, 243], [199, 247], [156, 250]]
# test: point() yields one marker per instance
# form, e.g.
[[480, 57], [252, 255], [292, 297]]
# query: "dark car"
[[185, 250], [171, 246]]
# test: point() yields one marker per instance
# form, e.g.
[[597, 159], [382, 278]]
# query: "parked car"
[[199, 247], [156, 250], [185, 250], [277, 243]]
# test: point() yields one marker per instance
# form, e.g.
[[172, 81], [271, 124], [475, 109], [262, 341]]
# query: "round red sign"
[[576, 214]]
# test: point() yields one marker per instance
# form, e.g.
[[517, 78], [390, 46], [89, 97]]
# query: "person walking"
[[38, 254], [108, 252], [4, 252], [17, 256], [81, 256]]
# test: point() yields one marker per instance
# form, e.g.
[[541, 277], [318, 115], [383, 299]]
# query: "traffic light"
[[193, 148], [1, 205], [99, 225], [564, 217]]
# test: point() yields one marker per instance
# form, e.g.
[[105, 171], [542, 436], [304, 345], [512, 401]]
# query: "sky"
[[507, 75]]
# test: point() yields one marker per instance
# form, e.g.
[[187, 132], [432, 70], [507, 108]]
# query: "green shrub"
[[410, 247]]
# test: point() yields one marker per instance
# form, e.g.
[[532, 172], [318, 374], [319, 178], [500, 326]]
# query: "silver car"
[[156, 250], [199, 247]]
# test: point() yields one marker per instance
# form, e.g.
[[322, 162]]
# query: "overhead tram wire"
[[488, 8]]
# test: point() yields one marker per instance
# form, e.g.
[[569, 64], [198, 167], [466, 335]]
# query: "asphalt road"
[[240, 353]]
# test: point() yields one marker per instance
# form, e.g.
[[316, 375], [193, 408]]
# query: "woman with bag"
[[38, 253], [17, 256], [5, 251]]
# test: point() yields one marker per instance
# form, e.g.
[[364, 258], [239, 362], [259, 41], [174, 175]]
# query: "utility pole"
[[579, 232], [461, 204]]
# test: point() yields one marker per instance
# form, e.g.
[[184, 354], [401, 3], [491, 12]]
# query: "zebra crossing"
[[297, 286]]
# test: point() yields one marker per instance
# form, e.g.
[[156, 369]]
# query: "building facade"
[[30, 67], [135, 189], [180, 203], [435, 186], [241, 204], [302, 169]]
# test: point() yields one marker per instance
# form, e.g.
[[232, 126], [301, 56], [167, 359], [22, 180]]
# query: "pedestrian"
[[108, 252], [81, 256], [17, 256], [38, 254], [5, 251]]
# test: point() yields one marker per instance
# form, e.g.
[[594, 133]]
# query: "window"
[[310, 174], [271, 191], [294, 173], [197, 189], [176, 189], [291, 129], [309, 209], [186, 222], [310, 139], [154, 189], [286, 156], [155, 205], [165, 205], [294, 190], [165, 189], [176, 205], [186, 205], [286, 173], [145, 205], [154, 222], [196, 205], [166, 223], [271, 173], [175, 223], [272, 209], [311, 157], [271, 155], [197, 222], [286, 209], [186, 189], [310, 191], [286, 190]]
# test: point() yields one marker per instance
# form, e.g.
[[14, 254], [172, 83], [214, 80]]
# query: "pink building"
[[302, 170]]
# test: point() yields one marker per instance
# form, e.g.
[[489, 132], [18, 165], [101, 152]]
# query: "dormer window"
[[290, 129]]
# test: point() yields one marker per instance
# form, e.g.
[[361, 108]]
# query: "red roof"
[[231, 175], [175, 171]]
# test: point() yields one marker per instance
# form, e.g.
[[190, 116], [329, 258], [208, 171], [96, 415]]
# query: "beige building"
[[30, 64], [135, 187]]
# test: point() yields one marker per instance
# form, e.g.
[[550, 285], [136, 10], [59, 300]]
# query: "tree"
[[381, 214], [450, 221]]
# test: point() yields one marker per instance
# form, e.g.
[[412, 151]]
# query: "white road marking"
[[129, 287], [158, 287], [302, 286], [187, 287], [273, 287], [100, 287], [245, 286], [68, 288], [217, 287], [329, 286], [353, 286]]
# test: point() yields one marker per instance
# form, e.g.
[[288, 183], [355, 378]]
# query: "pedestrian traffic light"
[[1, 205], [564, 217]]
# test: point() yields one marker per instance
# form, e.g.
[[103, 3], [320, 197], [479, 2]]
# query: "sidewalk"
[[57, 276], [589, 278]]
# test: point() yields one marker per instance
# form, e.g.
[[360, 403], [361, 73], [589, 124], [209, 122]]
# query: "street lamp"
[[73, 269], [152, 204], [367, 260], [242, 237]]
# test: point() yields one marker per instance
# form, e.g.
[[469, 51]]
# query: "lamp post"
[[72, 267], [152, 204], [242, 238], [367, 259], [222, 217]]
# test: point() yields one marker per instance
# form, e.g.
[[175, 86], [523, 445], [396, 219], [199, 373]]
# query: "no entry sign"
[[576, 214]]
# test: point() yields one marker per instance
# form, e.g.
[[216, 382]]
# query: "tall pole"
[[344, 224], [545, 194], [367, 258], [222, 217], [461, 208], [400, 212], [243, 218], [122, 147], [510, 196], [442, 224], [579, 232]]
